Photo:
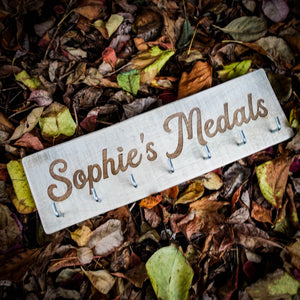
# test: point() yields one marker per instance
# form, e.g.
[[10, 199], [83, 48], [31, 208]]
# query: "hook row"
[[171, 167]]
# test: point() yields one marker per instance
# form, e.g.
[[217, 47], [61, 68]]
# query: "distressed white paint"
[[154, 176]]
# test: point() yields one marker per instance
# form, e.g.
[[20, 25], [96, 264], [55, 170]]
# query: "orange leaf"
[[171, 192], [150, 201], [200, 78], [260, 213]]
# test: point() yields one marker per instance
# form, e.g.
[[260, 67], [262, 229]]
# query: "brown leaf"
[[203, 217], [294, 250], [10, 233], [91, 9], [152, 217], [27, 125], [200, 78], [137, 275], [6, 128], [28, 140], [260, 213], [70, 259], [15, 265]]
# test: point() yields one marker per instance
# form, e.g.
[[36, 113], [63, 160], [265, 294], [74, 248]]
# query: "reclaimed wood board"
[[193, 136]]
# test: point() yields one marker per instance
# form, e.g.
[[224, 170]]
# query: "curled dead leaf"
[[200, 78]]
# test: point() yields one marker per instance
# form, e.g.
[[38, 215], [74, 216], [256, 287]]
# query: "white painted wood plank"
[[152, 175]]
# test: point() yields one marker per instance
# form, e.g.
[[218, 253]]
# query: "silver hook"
[[208, 152], [57, 214], [243, 138], [278, 125], [172, 170], [133, 181], [97, 199]]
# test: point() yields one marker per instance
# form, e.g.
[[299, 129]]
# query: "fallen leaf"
[[67, 274], [148, 24], [260, 213], [246, 29], [6, 128], [151, 201], [233, 178], [32, 83], [150, 62], [239, 216], [252, 238], [234, 70], [101, 280], [277, 49], [138, 106], [85, 255], [276, 285], [282, 86], [113, 23], [81, 235], [30, 122], [106, 238], [24, 202], [171, 193], [87, 97], [136, 275], [186, 35], [200, 78], [170, 274], [272, 178], [15, 265], [109, 56], [275, 10], [192, 193], [130, 81], [69, 259], [211, 181], [190, 56], [152, 217], [41, 97], [203, 216], [294, 250], [10, 231], [29, 141], [55, 121], [91, 11]]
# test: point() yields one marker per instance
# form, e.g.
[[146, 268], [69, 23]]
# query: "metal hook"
[[133, 181], [57, 214], [278, 125], [208, 152], [172, 170], [97, 199], [243, 137]]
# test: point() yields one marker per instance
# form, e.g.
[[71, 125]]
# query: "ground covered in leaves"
[[72, 67]]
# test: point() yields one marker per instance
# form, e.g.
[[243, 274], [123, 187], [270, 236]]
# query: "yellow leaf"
[[192, 193], [211, 181], [23, 202], [81, 235], [101, 280]]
